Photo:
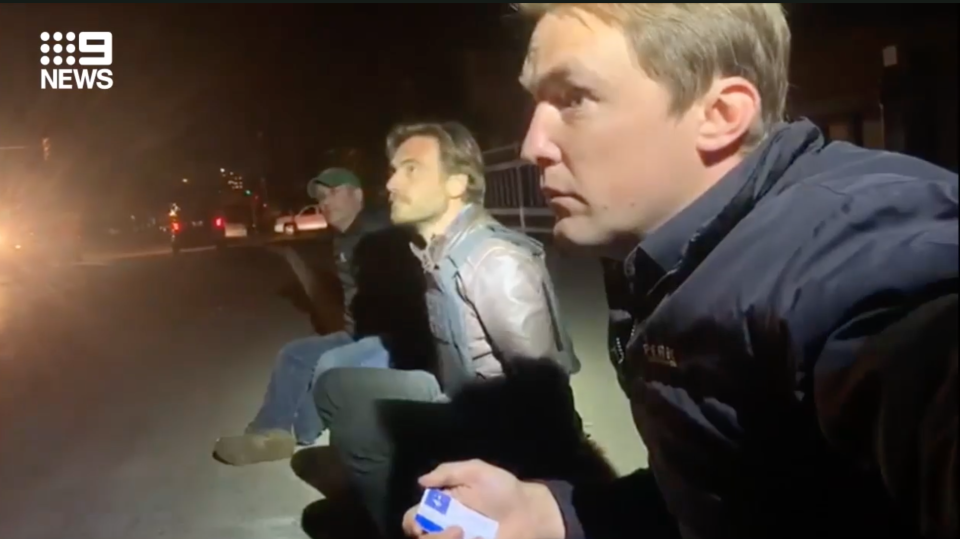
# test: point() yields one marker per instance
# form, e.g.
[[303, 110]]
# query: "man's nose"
[[392, 184], [538, 146]]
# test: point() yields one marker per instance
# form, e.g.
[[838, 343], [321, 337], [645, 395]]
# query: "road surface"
[[117, 376]]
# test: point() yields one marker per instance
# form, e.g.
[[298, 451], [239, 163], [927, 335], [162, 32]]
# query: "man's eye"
[[573, 98], [568, 98]]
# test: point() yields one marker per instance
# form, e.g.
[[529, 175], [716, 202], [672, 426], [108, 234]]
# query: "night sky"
[[195, 84]]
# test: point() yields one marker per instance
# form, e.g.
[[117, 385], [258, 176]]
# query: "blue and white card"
[[439, 511]]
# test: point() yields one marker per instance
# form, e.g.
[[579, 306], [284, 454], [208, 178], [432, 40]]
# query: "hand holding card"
[[439, 511], [490, 503]]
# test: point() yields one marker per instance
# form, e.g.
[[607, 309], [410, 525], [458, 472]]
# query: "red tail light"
[[219, 222], [176, 227]]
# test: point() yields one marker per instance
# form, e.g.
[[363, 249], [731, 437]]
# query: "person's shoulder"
[[492, 240], [857, 224], [497, 267], [855, 231], [841, 207], [847, 192], [502, 257], [375, 220], [844, 172]]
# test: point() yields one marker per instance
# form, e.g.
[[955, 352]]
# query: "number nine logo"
[[99, 43], [95, 51]]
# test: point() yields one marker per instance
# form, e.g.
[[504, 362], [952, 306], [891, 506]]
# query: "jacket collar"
[[438, 246], [710, 218]]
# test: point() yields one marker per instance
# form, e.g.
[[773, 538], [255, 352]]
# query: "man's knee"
[[365, 352], [352, 402], [359, 404], [339, 389], [309, 349]]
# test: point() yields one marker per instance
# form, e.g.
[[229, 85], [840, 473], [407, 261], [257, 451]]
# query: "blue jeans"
[[289, 401]]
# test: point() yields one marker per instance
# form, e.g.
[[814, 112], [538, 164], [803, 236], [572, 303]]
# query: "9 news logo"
[[93, 49]]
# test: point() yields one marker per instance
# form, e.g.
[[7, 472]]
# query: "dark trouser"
[[356, 406], [389, 427], [287, 402]]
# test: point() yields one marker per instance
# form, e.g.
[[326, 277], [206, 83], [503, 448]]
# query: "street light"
[[185, 180]]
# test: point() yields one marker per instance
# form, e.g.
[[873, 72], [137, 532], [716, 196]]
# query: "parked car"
[[307, 219], [236, 223], [226, 227]]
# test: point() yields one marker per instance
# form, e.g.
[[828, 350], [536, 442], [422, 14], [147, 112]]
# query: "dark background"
[[282, 90]]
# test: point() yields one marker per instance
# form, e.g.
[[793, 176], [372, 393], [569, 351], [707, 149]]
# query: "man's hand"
[[524, 510]]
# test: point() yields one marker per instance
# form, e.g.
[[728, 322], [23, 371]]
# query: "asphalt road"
[[117, 376]]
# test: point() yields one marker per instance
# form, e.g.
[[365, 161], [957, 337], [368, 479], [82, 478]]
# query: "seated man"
[[491, 304], [374, 267]]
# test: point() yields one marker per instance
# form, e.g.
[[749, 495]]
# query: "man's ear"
[[456, 185], [729, 109], [358, 194]]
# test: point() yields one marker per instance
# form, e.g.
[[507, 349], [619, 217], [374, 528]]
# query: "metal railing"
[[513, 192]]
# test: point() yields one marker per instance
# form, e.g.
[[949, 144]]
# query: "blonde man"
[[764, 263]]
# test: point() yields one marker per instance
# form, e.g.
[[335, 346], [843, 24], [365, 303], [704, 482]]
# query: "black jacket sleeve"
[[882, 281], [629, 507], [895, 406]]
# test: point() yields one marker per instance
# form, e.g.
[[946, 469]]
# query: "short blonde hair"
[[459, 152], [685, 46]]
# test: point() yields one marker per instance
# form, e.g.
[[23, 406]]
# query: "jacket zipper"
[[621, 348]]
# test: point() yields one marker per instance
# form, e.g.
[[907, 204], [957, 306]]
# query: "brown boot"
[[254, 447]]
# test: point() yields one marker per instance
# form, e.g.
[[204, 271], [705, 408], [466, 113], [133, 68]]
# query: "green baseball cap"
[[332, 177]]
